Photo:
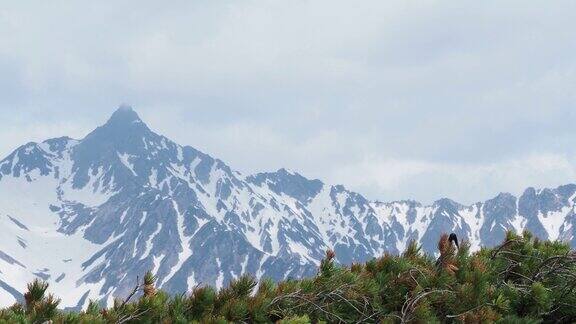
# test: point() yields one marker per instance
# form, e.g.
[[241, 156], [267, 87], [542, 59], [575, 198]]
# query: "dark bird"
[[454, 239], [447, 246]]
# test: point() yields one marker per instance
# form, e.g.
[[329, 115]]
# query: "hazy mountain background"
[[91, 215]]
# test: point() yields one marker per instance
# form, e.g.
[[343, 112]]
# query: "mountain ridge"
[[99, 211]]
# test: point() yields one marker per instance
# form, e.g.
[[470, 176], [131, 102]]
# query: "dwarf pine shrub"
[[522, 280]]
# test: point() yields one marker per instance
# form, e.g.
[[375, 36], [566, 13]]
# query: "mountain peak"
[[124, 115], [124, 126]]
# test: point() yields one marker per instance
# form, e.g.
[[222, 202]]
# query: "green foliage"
[[296, 320], [201, 303], [35, 293], [523, 280], [412, 250], [93, 308], [243, 286]]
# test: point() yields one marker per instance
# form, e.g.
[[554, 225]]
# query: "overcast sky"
[[394, 99]]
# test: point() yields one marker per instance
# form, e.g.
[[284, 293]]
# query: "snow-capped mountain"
[[91, 215]]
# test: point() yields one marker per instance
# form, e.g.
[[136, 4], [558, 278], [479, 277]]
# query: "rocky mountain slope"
[[91, 215]]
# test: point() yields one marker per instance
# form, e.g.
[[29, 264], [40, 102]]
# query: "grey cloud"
[[330, 88]]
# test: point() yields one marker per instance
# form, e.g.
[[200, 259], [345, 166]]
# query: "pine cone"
[[149, 290], [149, 280]]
